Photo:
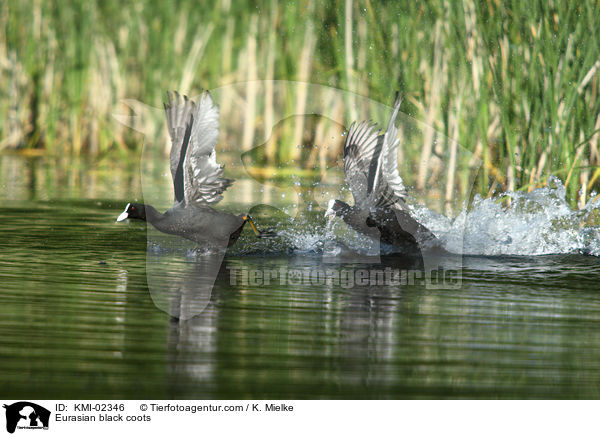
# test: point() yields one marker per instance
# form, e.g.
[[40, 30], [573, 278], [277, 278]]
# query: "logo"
[[26, 415]]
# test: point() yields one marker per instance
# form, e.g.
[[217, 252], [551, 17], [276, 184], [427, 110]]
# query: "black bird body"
[[184, 221], [396, 228], [197, 179], [399, 229]]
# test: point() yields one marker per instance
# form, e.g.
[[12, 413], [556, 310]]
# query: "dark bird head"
[[133, 210]]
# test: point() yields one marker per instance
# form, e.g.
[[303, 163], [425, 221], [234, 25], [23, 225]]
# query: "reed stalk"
[[523, 77]]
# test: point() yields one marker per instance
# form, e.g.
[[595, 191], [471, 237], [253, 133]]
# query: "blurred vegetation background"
[[517, 83]]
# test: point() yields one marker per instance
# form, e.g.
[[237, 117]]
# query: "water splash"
[[536, 223]]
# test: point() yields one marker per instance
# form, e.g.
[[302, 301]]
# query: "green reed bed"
[[515, 83]]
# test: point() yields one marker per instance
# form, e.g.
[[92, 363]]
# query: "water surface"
[[77, 319]]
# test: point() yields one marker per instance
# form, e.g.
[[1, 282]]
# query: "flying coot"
[[371, 172], [197, 179]]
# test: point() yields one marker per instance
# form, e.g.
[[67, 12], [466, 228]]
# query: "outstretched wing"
[[371, 164], [362, 150], [197, 177], [179, 123], [394, 193]]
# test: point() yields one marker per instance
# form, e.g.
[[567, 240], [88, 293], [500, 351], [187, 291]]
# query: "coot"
[[198, 179], [371, 172]]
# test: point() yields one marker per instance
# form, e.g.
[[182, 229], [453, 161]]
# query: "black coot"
[[197, 179], [371, 172]]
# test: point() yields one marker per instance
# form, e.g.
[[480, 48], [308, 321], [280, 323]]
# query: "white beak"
[[123, 217]]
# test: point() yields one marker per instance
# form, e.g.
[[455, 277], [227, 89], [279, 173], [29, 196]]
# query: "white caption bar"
[[150, 417]]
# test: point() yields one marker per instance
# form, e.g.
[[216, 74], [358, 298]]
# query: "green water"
[[77, 319]]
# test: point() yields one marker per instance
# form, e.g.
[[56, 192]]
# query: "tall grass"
[[516, 84]]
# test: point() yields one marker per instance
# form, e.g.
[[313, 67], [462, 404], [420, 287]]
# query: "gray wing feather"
[[178, 115], [359, 151], [394, 193], [203, 181], [202, 175], [371, 164]]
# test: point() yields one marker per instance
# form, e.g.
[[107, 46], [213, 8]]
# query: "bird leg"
[[258, 233]]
